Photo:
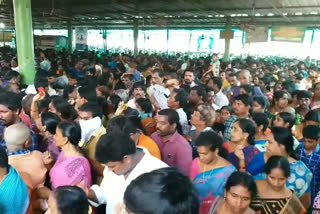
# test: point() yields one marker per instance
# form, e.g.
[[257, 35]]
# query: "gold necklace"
[[204, 170]]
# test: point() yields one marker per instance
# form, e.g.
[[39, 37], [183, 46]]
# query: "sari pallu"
[[283, 205], [218, 201], [248, 151], [14, 195], [70, 170], [209, 184]]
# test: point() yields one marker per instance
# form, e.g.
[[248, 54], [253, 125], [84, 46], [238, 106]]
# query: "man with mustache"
[[138, 91], [188, 80], [174, 148], [10, 108]]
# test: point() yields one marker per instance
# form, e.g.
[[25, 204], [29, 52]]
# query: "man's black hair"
[[88, 93], [173, 118], [217, 81], [113, 146], [311, 132], [245, 99], [201, 92], [181, 97], [92, 107]]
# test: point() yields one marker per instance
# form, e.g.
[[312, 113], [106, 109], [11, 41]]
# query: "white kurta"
[[112, 187], [183, 120]]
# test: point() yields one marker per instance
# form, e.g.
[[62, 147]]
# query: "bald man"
[[245, 78], [29, 164]]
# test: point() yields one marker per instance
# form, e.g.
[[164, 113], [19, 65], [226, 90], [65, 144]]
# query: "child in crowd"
[[309, 153]]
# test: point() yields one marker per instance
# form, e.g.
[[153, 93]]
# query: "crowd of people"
[[150, 134]]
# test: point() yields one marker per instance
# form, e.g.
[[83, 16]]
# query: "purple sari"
[[70, 170], [248, 151]]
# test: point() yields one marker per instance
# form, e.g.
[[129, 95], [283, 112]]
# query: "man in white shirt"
[[124, 162], [158, 92], [220, 98], [177, 101]]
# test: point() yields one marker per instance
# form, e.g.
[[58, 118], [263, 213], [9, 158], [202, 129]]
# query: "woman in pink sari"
[[209, 173], [71, 167]]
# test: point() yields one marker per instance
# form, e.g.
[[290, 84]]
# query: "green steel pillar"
[[70, 36], [24, 38], [168, 35], [135, 37], [226, 56]]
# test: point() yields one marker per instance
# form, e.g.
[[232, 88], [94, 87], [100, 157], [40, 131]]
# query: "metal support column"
[[135, 37], [226, 56], [168, 33], [24, 39], [70, 36]]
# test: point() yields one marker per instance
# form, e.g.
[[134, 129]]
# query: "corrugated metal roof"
[[186, 13]]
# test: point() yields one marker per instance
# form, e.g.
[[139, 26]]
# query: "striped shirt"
[[312, 161], [228, 124]]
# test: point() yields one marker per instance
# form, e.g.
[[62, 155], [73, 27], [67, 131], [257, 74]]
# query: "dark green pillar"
[[135, 37], [226, 56], [24, 39]]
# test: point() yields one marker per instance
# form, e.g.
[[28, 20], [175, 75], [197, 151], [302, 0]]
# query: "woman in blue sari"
[[280, 142], [211, 170], [14, 195]]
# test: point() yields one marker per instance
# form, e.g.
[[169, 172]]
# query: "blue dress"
[[14, 195], [300, 176]]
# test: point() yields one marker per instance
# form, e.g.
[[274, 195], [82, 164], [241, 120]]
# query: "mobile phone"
[[41, 91]]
